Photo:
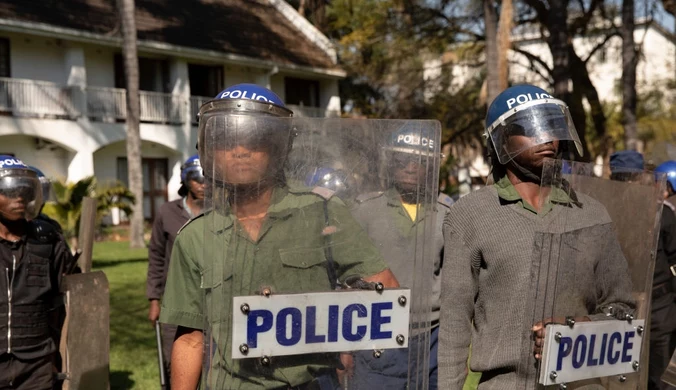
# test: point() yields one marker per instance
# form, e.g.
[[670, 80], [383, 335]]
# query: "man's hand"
[[539, 331], [348, 363], [154, 311]]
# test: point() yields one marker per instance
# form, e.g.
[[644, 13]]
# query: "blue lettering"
[[591, 361], [614, 357], [627, 346], [579, 349], [377, 320], [253, 328], [604, 344], [311, 335], [565, 346], [347, 322], [333, 323], [296, 324]]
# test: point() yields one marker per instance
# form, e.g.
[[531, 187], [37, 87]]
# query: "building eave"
[[51, 31]]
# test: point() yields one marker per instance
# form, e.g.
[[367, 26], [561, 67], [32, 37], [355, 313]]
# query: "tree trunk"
[[492, 76], [504, 42], [558, 42], [127, 15], [629, 62], [301, 7]]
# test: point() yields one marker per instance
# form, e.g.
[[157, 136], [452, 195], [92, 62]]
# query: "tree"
[[67, 207], [629, 63], [492, 51], [127, 16]]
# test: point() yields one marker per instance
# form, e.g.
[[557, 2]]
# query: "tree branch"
[[533, 59], [600, 46]]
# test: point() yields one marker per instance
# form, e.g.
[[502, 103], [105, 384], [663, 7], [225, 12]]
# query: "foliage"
[[67, 207]]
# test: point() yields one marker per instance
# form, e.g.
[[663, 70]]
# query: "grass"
[[133, 356]]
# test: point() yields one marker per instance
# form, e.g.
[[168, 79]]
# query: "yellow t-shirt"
[[411, 209]]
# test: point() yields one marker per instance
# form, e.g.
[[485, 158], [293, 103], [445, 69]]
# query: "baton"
[[160, 359]]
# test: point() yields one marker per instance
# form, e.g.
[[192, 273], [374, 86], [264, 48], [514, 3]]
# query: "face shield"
[[243, 142], [534, 123], [46, 185], [20, 194]]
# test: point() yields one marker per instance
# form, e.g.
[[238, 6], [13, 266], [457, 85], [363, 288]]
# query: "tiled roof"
[[251, 28]]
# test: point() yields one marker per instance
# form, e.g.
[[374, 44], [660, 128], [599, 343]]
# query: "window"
[[153, 74], [301, 92], [4, 58], [155, 178], [205, 80]]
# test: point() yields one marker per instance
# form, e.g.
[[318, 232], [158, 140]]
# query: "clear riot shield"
[[586, 320], [293, 287]]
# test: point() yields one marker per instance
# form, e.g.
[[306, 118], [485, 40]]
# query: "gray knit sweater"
[[507, 268]]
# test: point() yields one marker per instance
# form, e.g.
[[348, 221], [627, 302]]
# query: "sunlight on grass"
[[133, 357]]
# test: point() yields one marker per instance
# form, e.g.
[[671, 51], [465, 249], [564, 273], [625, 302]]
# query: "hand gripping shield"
[[294, 282], [586, 319]]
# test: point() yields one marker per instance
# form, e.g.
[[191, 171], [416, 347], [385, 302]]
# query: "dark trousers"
[[391, 370], [26, 374], [168, 333], [662, 340]]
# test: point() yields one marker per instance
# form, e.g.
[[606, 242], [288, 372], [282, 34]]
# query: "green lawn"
[[133, 356]]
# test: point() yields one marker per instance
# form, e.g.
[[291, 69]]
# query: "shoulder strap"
[[368, 196], [190, 220], [328, 252]]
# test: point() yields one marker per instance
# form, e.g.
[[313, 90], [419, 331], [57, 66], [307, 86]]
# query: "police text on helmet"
[[11, 162], [415, 140], [237, 94], [526, 97]]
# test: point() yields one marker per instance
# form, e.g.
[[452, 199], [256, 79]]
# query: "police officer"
[[489, 250], [259, 231], [669, 168], [663, 306], [33, 258], [171, 217], [394, 219]]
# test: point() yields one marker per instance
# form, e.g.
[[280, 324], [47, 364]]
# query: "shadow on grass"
[[129, 325], [121, 380], [112, 263]]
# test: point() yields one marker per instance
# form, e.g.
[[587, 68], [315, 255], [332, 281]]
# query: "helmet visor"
[[20, 196], [531, 124], [230, 142]]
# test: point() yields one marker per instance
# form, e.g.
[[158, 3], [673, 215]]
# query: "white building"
[[62, 96]]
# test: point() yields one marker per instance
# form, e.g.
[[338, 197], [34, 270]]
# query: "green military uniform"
[[508, 193], [214, 260], [400, 239]]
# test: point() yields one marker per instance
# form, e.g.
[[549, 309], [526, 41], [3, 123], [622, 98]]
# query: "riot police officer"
[[394, 220], [33, 258], [261, 235], [171, 217], [490, 282]]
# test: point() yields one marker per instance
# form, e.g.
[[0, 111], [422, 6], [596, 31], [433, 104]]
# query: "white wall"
[[36, 58], [52, 159], [100, 66]]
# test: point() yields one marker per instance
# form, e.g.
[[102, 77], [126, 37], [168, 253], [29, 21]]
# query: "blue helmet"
[[333, 179], [191, 170], [21, 186], [531, 112], [244, 115], [668, 168], [44, 182], [626, 161]]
